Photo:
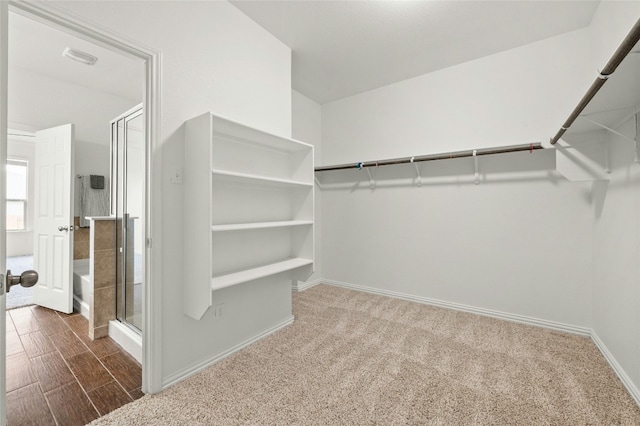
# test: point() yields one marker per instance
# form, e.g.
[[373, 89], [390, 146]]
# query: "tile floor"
[[56, 375]]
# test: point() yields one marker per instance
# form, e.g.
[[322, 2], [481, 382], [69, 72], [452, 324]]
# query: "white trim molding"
[[127, 338], [522, 319], [4, 58], [81, 306], [622, 375], [305, 285], [201, 365]]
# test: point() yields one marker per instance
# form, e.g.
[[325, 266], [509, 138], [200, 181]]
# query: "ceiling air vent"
[[80, 56]]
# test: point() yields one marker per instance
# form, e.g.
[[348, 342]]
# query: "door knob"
[[26, 279], [63, 228]]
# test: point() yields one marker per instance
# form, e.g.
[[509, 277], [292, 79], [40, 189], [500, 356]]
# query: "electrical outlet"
[[217, 310]]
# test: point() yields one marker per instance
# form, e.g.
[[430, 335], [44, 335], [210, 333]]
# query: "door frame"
[[151, 309], [4, 21]]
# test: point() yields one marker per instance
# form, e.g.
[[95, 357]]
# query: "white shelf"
[[273, 142], [247, 134], [248, 200], [261, 179], [259, 225], [256, 273]]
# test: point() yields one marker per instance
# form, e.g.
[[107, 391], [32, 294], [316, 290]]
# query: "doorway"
[[19, 185], [149, 62]]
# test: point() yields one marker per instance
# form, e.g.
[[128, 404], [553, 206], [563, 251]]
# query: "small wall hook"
[[418, 176], [372, 183], [476, 177]]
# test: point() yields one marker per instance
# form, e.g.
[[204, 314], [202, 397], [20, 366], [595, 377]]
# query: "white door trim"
[[4, 15], [66, 21]]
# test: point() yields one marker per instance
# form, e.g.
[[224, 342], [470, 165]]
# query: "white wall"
[[519, 242], [306, 126], [517, 96], [37, 102], [214, 58], [616, 254], [20, 243], [610, 25], [90, 159], [616, 227]]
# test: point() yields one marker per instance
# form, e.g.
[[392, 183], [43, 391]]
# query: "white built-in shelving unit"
[[248, 208]]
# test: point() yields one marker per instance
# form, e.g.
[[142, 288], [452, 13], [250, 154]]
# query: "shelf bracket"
[[418, 176], [615, 132], [476, 176], [622, 135]]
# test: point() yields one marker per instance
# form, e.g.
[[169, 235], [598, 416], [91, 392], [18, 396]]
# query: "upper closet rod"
[[450, 155], [618, 56]]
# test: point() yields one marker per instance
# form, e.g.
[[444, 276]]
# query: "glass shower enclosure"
[[127, 206]]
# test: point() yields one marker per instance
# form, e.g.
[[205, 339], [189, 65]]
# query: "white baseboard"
[[201, 365], [624, 378], [81, 306], [553, 325], [305, 285]]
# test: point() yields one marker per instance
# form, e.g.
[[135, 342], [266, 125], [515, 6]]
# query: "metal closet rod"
[[433, 157], [618, 56]]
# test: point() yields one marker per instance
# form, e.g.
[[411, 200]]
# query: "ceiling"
[[47, 89], [38, 47], [342, 48]]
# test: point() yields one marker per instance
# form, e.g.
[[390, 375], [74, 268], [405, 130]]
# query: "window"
[[17, 172]]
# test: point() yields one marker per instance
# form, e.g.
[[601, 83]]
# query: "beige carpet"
[[356, 358]]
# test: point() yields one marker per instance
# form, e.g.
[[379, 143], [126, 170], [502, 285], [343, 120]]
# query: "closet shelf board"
[[259, 225], [230, 129], [256, 273], [260, 179]]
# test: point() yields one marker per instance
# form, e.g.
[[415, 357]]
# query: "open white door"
[[4, 20], [53, 227]]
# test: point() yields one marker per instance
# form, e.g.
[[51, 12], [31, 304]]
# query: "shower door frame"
[[119, 170], [87, 30]]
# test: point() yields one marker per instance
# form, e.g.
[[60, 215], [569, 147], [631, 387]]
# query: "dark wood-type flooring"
[[56, 375]]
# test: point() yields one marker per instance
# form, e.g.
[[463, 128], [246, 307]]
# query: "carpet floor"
[[357, 358]]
